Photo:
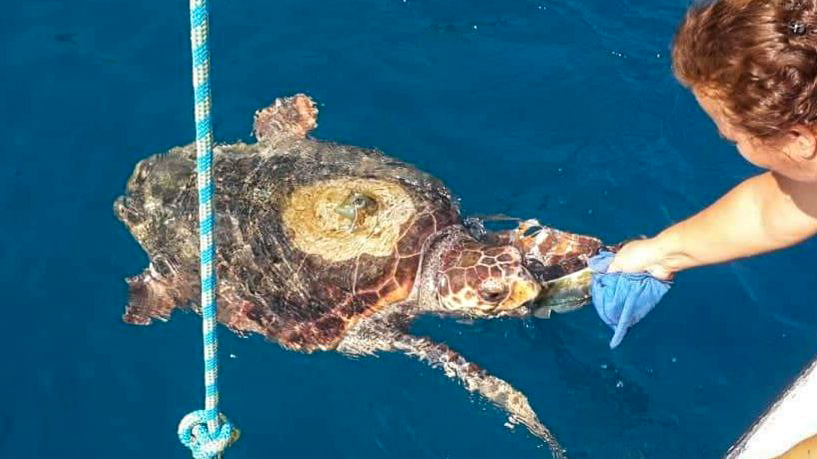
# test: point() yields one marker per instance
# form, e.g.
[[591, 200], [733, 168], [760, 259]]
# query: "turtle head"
[[479, 280]]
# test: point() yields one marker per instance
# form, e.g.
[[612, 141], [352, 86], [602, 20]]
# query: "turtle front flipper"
[[288, 118], [476, 379], [151, 296]]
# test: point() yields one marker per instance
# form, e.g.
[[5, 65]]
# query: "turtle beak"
[[558, 260], [568, 292], [524, 292], [564, 294]]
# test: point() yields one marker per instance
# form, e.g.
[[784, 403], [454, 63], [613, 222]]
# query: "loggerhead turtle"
[[323, 246]]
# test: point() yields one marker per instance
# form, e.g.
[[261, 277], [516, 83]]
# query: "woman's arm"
[[804, 450], [762, 214]]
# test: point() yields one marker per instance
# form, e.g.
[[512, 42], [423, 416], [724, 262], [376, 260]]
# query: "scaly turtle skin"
[[329, 247]]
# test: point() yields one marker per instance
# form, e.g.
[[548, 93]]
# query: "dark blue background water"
[[561, 110]]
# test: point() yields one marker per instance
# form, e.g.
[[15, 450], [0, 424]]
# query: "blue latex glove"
[[623, 299]]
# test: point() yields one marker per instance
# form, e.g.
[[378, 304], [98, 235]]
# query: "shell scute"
[[445, 217], [406, 269], [389, 289], [371, 271], [358, 304], [330, 327], [412, 239]]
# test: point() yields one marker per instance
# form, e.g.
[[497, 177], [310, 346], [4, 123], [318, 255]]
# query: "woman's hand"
[[622, 300], [645, 255]]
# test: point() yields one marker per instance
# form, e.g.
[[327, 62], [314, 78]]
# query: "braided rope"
[[210, 442]]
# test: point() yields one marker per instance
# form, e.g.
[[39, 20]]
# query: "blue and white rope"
[[209, 442]]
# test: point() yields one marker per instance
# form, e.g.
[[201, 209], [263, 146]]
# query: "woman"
[[752, 65]]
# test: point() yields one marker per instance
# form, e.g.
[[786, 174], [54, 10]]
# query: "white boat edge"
[[788, 421]]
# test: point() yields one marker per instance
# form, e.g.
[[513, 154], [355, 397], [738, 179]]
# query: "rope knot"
[[194, 434]]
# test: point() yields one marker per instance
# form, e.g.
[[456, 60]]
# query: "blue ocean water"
[[564, 110]]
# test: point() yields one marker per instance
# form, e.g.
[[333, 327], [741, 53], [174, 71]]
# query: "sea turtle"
[[323, 246]]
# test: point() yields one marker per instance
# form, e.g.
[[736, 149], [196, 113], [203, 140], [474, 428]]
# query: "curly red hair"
[[757, 57]]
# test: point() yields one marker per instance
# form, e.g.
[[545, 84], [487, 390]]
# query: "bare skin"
[[768, 212], [806, 449]]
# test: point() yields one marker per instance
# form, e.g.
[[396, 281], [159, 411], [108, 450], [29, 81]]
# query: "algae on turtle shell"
[[323, 246]]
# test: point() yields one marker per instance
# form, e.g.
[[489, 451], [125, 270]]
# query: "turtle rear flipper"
[[288, 118], [475, 379], [152, 297]]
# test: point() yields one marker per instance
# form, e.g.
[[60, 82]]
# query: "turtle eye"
[[492, 292]]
